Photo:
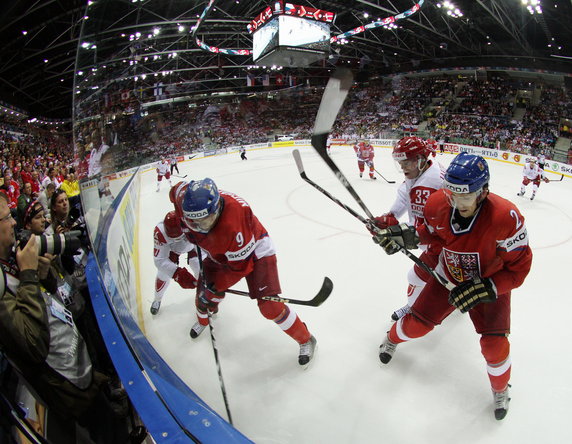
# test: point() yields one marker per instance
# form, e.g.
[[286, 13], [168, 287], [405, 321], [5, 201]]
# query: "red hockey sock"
[[408, 327], [286, 319], [496, 351]]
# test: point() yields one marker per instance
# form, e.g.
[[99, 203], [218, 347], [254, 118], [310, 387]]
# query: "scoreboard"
[[290, 35]]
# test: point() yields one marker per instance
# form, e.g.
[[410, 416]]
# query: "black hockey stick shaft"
[[219, 369], [321, 296], [557, 180], [379, 174], [369, 225], [213, 341]]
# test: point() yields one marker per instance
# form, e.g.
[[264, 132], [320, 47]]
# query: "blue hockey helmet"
[[467, 173], [201, 199]]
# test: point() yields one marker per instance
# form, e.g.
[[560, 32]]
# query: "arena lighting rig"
[[307, 27]]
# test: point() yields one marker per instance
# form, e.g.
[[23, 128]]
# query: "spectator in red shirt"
[[26, 174], [11, 189]]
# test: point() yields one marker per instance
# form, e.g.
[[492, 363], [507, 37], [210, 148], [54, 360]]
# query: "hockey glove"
[[382, 222], [184, 278], [472, 292], [396, 237]]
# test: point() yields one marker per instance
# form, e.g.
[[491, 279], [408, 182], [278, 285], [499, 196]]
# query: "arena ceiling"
[[40, 40]]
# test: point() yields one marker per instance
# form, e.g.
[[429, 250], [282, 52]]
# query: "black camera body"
[[64, 243]]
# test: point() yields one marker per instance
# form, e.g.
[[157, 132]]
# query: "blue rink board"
[[170, 410]]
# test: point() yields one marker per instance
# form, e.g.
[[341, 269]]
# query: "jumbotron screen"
[[290, 31]]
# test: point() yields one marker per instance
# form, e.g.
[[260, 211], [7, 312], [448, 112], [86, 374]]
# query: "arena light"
[[451, 9], [533, 6]]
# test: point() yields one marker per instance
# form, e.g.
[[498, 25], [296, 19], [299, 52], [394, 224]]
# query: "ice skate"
[[400, 312], [520, 193], [155, 307], [307, 351], [532, 197], [197, 329], [386, 351], [501, 400], [360, 174], [373, 177]]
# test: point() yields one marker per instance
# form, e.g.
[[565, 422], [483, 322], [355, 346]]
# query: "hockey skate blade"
[[311, 363]]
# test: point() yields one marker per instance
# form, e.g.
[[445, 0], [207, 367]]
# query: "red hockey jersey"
[[494, 245], [235, 242], [364, 151]]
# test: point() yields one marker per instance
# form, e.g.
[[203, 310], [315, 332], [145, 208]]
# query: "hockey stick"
[[557, 180], [405, 251], [219, 370], [316, 301], [182, 177], [379, 174], [334, 96], [215, 350]]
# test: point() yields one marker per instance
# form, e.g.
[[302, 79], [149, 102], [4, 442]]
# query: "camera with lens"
[[63, 243]]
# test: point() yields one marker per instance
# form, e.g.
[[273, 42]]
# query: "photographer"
[[69, 286], [39, 336], [72, 267], [64, 221]]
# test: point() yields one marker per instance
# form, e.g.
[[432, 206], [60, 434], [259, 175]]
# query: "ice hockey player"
[[484, 253], [365, 154], [169, 243], [532, 173], [238, 246], [432, 144], [329, 146], [163, 170], [242, 152], [423, 176]]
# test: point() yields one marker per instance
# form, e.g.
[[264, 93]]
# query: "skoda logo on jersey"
[[196, 214], [456, 188]]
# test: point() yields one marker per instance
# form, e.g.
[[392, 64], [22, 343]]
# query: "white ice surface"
[[436, 389]]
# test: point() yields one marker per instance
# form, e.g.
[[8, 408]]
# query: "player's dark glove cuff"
[[470, 293]]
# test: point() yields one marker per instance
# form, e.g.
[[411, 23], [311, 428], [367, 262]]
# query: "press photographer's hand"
[[44, 263], [27, 258]]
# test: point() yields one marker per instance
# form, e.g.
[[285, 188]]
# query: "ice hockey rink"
[[436, 389]]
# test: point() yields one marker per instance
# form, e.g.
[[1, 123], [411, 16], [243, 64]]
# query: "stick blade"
[[298, 160], [323, 294], [334, 96]]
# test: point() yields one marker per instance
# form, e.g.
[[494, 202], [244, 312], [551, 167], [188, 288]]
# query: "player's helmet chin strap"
[[422, 166]]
